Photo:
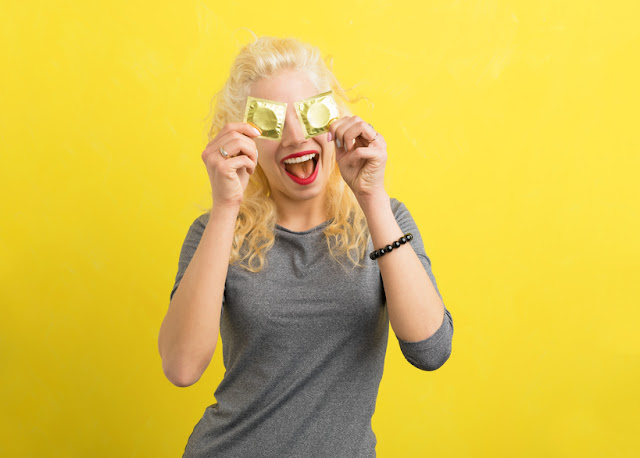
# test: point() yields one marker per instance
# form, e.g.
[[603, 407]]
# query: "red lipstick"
[[312, 177], [301, 153]]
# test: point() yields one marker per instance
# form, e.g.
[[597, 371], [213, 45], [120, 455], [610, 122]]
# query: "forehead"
[[288, 86]]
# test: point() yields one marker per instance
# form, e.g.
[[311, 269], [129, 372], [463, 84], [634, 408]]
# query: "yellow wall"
[[512, 133]]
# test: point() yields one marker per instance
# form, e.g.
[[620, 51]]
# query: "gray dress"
[[303, 345]]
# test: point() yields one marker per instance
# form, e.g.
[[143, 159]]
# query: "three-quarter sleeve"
[[189, 246], [433, 352]]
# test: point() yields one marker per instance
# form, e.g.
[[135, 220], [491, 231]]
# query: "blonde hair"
[[347, 234]]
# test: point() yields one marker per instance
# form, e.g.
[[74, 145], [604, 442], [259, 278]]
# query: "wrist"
[[375, 201], [222, 210]]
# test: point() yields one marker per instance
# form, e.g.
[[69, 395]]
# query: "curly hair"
[[347, 234]]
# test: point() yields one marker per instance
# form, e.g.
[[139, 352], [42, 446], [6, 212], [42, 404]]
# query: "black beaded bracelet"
[[382, 251]]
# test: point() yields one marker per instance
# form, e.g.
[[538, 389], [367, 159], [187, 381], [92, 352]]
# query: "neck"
[[300, 215]]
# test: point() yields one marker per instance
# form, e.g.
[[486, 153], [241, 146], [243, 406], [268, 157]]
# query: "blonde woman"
[[284, 271]]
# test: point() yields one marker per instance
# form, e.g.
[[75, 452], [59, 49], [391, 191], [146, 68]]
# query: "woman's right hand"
[[229, 176]]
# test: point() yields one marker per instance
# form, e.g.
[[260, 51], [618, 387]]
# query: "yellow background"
[[512, 132]]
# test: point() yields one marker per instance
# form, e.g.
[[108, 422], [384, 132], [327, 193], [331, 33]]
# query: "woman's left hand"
[[361, 154]]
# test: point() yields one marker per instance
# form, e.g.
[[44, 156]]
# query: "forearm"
[[189, 332], [415, 308]]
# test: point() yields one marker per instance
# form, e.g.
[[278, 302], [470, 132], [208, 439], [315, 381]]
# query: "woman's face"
[[292, 86]]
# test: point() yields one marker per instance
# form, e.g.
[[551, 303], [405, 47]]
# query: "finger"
[[334, 124], [236, 144], [359, 157], [361, 129], [345, 123], [232, 165], [367, 153], [245, 128]]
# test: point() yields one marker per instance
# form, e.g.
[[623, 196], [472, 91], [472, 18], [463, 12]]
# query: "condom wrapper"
[[315, 113], [267, 115]]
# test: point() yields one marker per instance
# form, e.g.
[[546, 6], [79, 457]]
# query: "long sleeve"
[[433, 352]]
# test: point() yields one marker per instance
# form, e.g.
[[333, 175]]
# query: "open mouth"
[[303, 167]]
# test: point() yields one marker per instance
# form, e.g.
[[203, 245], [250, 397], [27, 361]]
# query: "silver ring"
[[223, 152]]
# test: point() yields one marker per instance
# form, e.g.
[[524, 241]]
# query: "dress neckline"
[[313, 229]]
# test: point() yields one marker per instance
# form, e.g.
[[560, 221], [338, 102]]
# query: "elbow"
[[429, 360], [180, 371], [431, 354], [182, 382], [438, 362], [432, 363], [180, 378]]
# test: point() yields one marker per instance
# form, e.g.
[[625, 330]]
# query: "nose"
[[292, 133]]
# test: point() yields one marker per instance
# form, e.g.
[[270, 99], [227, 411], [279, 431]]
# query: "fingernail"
[[329, 137], [338, 143], [256, 128]]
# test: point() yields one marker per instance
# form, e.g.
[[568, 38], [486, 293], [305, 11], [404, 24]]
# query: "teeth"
[[295, 160]]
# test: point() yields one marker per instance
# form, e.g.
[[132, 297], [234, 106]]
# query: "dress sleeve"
[[189, 246], [433, 352]]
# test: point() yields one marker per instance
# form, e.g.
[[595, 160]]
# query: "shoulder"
[[398, 207], [199, 224], [202, 220], [403, 216]]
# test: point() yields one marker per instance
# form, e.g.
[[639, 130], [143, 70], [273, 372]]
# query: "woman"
[[283, 271]]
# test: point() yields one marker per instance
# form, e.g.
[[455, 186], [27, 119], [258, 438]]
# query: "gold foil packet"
[[267, 115], [316, 113]]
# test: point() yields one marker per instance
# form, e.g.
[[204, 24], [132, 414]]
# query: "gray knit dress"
[[303, 345]]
